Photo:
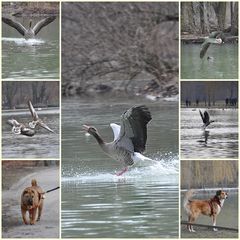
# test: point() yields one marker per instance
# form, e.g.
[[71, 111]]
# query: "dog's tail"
[[34, 182], [187, 197]]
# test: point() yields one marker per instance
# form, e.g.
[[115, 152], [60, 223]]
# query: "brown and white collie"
[[210, 207]]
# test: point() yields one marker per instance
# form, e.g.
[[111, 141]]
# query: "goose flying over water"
[[129, 138], [205, 118], [36, 121], [20, 128], [29, 32], [215, 38]]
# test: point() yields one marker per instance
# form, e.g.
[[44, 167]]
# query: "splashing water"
[[163, 167], [24, 42]]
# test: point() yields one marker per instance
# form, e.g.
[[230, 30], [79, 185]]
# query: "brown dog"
[[211, 207], [32, 201]]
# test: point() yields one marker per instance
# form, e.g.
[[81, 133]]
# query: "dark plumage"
[[216, 37], [28, 32], [129, 138], [205, 118]]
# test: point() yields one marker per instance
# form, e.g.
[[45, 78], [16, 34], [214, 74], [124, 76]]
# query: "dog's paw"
[[215, 229]]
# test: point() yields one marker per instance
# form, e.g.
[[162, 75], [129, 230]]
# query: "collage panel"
[[30, 199], [209, 120], [209, 40], [30, 120], [209, 199], [120, 97], [30, 40]]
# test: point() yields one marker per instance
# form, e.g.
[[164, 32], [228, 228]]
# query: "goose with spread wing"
[[36, 121], [216, 37], [29, 32], [20, 128], [129, 138], [205, 118]]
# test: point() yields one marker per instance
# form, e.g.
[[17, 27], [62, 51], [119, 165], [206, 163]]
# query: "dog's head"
[[221, 194]]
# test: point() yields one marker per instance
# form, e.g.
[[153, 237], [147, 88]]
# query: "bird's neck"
[[98, 138], [30, 24]]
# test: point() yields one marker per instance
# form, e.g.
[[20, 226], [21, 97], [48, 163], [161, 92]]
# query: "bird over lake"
[[129, 138], [29, 32], [214, 38], [205, 118]]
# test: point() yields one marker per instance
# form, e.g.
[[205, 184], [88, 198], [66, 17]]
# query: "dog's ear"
[[218, 193]]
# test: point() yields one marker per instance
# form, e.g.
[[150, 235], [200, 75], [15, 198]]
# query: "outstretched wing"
[[204, 48], [43, 125], [201, 115], [42, 23], [32, 110], [206, 117], [18, 26], [133, 133]]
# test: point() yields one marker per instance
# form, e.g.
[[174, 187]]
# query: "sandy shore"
[[48, 226]]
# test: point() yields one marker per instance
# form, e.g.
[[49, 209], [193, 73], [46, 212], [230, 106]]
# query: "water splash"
[[164, 168], [24, 42]]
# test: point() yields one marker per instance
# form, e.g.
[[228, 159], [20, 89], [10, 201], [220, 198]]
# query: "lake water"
[[228, 217], [95, 202], [43, 145], [219, 140], [223, 66], [30, 59]]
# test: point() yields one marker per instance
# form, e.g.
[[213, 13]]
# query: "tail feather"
[[188, 195]]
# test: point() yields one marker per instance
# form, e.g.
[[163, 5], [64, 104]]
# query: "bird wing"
[[32, 110], [204, 48], [42, 23], [43, 125], [201, 115], [206, 117], [133, 133], [116, 130], [18, 26]]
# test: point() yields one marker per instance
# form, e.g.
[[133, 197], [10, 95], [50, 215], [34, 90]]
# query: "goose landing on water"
[[205, 118], [29, 32], [129, 138]]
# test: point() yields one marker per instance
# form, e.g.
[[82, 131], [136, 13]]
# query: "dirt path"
[[12, 223]]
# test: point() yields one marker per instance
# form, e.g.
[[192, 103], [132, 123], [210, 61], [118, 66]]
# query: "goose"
[[36, 121], [215, 38], [20, 128], [205, 118], [29, 32], [129, 138]]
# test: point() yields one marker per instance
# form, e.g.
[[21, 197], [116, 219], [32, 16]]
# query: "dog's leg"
[[40, 211], [214, 219], [33, 216], [24, 216], [192, 220]]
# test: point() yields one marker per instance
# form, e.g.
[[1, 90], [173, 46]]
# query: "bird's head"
[[89, 129], [219, 40]]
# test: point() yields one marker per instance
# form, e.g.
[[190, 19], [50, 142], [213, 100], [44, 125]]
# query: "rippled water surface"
[[219, 140], [223, 65], [34, 58], [42, 145], [95, 202]]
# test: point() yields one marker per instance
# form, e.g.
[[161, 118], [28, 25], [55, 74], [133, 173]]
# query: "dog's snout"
[[30, 201]]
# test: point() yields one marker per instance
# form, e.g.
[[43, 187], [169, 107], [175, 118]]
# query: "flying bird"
[[20, 128], [29, 32], [36, 121], [129, 138], [205, 118], [216, 37]]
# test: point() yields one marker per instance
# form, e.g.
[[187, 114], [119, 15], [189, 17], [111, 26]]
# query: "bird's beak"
[[85, 127]]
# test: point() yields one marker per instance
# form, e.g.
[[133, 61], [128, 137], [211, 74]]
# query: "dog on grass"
[[210, 207], [32, 202]]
